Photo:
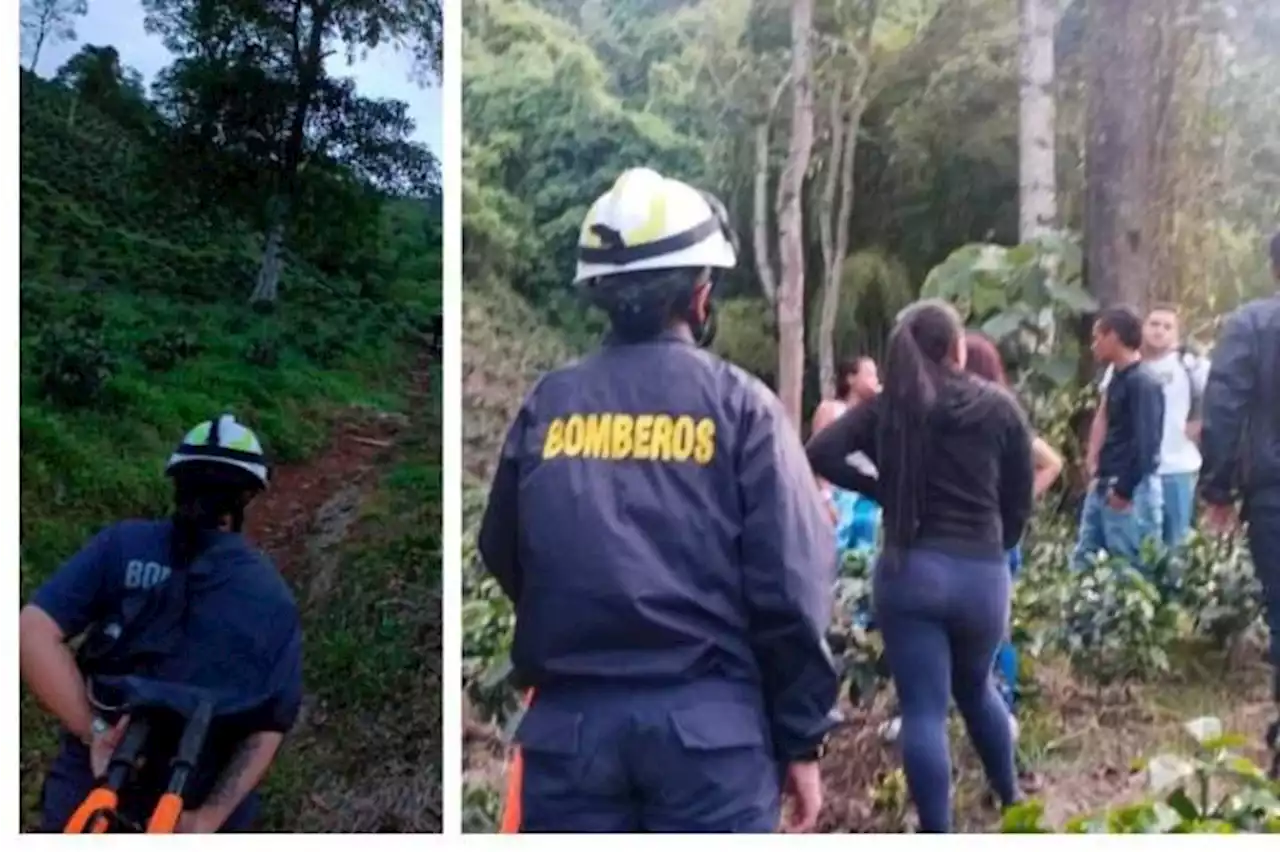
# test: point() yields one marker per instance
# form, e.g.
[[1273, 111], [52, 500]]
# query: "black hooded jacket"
[[978, 472]]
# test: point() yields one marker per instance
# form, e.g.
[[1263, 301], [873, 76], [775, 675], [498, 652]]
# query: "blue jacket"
[[654, 520], [1241, 432]]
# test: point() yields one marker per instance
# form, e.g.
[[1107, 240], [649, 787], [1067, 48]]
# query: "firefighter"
[[182, 602], [654, 521]]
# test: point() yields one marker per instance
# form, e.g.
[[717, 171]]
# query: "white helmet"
[[222, 441], [646, 221]]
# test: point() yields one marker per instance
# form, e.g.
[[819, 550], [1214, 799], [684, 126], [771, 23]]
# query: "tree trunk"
[[309, 59], [760, 201], [1118, 242], [267, 286], [1037, 185], [35, 53], [834, 272], [791, 218]]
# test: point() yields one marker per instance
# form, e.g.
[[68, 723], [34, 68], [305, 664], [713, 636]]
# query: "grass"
[[367, 756]]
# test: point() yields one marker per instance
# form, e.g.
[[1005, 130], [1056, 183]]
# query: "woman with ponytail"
[[176, 604], [983, 360], [953, 455]]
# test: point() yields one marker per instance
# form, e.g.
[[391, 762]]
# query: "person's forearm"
[[1048, 466], [1097, 434], [49, 669], [243, 774]]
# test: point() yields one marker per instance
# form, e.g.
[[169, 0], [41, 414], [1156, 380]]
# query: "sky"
[[383, 74]]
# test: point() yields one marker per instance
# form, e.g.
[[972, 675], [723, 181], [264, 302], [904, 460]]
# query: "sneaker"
[[890, 730]]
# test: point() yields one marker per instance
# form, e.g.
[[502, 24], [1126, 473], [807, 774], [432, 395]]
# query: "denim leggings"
[[942, 618]]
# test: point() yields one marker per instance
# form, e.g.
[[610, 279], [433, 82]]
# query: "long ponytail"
[[925, 335]]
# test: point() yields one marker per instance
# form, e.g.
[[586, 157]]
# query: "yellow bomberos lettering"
[[554, 444], [596, 434], [613, 436], [644, 433], [682, 438], [704, 441], [574, 431], [623, 425], [660, 440]]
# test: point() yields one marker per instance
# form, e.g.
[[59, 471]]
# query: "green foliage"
[[74, 364], [860, 650], [874, 287], [744, 335], [1021, 297], [1114, 623], [545, 137], [1213, 790]]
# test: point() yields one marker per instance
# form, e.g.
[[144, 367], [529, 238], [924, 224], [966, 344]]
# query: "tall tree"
[[265, 60], [1037, 182], [791, 215], [1118, 241], [49, 21]]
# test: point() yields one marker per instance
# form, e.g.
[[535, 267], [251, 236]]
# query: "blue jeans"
[[1179, 492], [1120, 533]]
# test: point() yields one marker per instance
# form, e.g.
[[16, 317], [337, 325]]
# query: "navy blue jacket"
[[654, 520], [1241, 437], [228, 623], [1135, 427]]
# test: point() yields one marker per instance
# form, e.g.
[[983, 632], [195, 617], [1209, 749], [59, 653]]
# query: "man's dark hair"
[[845, 373], [644, 303], [1124, 323], [1275, 252]]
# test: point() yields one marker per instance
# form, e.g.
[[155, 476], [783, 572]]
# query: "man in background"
[[1182, 375], [1241, 443], [1123, 506]]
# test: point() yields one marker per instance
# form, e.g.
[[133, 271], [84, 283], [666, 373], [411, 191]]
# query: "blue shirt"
[[240, 630]]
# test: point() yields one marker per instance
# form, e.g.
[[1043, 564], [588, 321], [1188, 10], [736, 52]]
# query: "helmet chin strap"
[[705, 332]]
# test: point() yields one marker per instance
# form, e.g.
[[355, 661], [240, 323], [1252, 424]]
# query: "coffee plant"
[[1213, 789]]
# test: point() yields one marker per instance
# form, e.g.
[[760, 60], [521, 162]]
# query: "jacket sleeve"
[[789, 555], [829, 450], [1227, 396], [498, 541], [1146, 408], [1017, 477]]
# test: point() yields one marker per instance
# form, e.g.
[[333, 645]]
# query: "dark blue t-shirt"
[[240, 633]]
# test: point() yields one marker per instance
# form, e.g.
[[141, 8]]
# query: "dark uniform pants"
[[1264, 545], [687, 759], [70, 780]]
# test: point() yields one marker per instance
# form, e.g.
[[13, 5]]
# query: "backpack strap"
[[1189, 361]]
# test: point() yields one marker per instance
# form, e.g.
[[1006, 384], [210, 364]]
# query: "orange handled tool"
[[509, 823], [164, 819], [98, 812]]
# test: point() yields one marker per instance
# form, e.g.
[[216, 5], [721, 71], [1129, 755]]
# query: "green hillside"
[[136, 271]]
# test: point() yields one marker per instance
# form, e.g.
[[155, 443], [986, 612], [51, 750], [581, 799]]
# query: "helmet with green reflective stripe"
[[222, 441]]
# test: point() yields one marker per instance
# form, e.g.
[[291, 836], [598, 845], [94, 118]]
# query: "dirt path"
[[311, 505]]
